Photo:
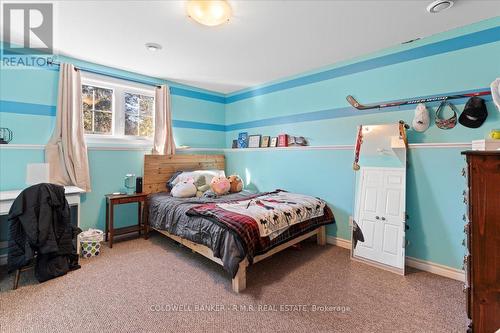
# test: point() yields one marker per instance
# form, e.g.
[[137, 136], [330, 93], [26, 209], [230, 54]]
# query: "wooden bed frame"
[[159, 168]]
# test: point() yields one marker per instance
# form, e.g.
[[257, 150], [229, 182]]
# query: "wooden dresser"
[[482, 264]]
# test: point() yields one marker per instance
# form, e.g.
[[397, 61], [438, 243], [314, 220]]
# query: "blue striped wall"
[[314, 105], [28, 98], [310, 104]]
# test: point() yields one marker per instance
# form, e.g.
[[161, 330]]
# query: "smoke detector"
[[439, 5]]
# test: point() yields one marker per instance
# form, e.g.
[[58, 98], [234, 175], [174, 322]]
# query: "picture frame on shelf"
[[235, 144], [254, 141], [243, 140], [274, 142], [265, 141], [282, 140]]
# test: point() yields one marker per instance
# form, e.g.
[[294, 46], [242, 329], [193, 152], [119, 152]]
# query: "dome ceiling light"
[[153, 47], [209, 12], [439, 6]]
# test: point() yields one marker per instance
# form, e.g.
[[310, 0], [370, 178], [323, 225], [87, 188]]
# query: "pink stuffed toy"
[[220, 185]]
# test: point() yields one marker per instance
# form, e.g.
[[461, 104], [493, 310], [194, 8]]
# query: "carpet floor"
[[156, 286]]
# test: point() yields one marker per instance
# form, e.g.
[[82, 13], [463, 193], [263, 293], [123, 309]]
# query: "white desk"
[[72, 195], [7, 199]]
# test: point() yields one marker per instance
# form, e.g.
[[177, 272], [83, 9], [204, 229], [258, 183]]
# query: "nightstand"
[[118, 199]]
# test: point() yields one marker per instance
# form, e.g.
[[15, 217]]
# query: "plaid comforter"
[[246, 228]]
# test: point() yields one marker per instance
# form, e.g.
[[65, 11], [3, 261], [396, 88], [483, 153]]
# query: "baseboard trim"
[[434, 268], [340, 242], [420, 264]]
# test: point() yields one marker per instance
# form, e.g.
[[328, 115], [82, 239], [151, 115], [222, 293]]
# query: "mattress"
[[170, 214]]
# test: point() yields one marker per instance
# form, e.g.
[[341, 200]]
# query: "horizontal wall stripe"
[[27, 108], [453, 44], [339, 113], [197, 94], [197, 125], [50, 110]]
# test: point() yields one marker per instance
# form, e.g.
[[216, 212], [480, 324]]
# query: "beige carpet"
[[136, 285]]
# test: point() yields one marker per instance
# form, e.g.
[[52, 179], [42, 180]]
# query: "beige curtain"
[[66, 151], [164, 136]]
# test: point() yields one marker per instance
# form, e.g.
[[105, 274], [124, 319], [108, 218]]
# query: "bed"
[[196, 224]]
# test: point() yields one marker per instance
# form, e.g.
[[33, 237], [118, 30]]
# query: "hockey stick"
[[359, 106]]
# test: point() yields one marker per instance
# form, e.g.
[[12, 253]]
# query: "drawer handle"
[[383, 218], [377, 217]]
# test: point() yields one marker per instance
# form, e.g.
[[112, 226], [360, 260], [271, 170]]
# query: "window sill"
[[99, 141]]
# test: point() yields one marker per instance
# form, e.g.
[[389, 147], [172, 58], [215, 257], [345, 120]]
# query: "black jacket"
[[40, 223]]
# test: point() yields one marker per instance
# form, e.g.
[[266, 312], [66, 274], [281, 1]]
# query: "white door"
[[380, 215]]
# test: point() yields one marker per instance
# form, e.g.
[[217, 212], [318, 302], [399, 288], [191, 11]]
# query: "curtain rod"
[[116, 76]]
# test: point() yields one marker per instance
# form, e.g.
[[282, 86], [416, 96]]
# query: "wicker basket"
[[90, 243]]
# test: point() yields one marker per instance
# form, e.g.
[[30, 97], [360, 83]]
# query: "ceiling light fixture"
[[439, 5], [209, 12], [153, 47]]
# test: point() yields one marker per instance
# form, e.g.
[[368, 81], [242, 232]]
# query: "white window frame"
[[119, 87]]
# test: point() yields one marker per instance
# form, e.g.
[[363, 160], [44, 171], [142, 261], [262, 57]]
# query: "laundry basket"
[[90, 243]]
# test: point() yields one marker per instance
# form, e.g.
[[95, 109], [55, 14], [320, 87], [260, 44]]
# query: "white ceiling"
[[264, 41]]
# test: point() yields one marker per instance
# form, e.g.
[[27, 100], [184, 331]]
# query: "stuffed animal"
[[184, 189], [201, 186], [220, 185], [236, 184]]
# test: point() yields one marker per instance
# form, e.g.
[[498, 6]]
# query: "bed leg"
[[321, 237], [240, 280]]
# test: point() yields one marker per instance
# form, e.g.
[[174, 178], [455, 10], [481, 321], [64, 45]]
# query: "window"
[[116, 109]]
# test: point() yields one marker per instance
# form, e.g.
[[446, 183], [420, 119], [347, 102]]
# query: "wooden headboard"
[[159, 168]]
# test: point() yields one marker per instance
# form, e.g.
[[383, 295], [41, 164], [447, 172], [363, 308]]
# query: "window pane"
[[103, 99], [87, 121], [130, 124], [95, 99], [87, 97], [103, 122], [139, 111], [146, 127], [146, 106], [131, 103]]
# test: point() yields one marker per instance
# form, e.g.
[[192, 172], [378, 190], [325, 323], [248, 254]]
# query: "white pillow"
[[183, 190], [193, 176]]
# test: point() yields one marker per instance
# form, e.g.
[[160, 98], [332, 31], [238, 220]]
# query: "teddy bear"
[[201, 186], [220, 185], [236, 184]]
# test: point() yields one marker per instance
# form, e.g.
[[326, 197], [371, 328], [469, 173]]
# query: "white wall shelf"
[[464, 145]]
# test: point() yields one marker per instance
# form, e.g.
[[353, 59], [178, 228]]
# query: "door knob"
[[383, 218], [376, 217]]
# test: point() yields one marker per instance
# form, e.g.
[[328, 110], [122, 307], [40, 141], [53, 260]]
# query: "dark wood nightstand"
[[118, 199]]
